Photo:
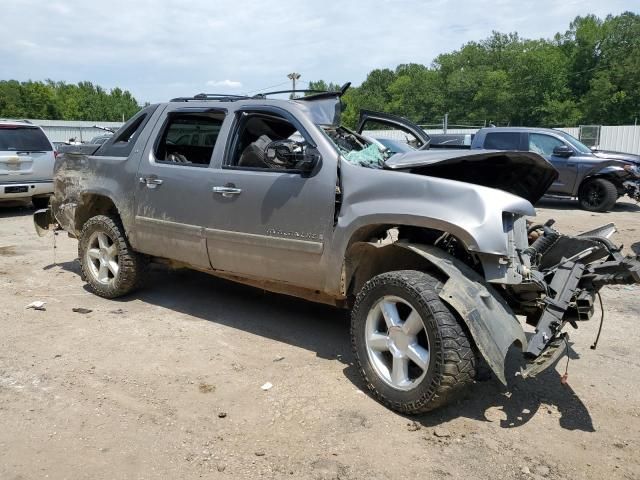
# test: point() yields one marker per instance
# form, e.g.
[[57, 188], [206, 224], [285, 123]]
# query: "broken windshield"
[[355, 149]]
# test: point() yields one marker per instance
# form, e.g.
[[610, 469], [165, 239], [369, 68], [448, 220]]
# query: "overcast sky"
[[159, 49]]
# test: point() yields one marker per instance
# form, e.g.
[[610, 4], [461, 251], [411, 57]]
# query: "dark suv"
[[596, 178]]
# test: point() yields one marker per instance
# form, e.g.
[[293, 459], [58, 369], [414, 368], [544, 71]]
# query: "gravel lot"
[[167, 384]]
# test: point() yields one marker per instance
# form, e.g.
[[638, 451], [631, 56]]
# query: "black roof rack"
[[222, 97]]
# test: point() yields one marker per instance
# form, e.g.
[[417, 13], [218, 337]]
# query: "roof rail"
[[223, 97], [220, 97]]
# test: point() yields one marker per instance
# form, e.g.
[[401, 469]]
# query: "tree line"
[[64, 101], [588, 75]]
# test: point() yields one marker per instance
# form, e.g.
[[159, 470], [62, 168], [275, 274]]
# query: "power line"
[[266, 88]]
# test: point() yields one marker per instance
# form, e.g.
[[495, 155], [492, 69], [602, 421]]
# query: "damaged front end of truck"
[[564, 277], [549, 278]]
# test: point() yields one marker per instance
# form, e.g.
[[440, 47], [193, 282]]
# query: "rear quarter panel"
[[77, 176]]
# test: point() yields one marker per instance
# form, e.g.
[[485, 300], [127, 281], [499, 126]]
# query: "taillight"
[[55, 154]]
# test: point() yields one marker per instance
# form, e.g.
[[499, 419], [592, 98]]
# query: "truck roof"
[[518, 129]]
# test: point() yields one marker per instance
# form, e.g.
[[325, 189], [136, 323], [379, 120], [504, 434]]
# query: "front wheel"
[[413, 352], [598, 195], [109, 265]]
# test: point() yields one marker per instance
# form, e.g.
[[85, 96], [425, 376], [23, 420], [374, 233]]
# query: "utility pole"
[[445, 123], [293, 77]]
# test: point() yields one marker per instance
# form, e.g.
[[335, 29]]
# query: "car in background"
[[26, 163], [451, 140], [596, 178], [100, 139]]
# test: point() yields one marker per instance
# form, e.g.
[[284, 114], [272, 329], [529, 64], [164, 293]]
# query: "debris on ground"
[[267, 386], [37, 305], [206, 387], [441, 432], [260, 453], [413, 426], [279, 358], [81, 310], [222, 414]]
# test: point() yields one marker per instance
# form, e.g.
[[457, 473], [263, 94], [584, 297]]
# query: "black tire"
[[597, 195], [453, 358], [132, 266], [40, 202]]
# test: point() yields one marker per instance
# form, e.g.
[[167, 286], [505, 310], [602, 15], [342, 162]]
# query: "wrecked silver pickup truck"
[[431, 250]]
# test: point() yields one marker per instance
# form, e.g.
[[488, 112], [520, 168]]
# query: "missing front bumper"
[[44, 221]]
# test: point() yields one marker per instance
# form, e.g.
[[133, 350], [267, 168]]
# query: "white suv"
[[26, 163]]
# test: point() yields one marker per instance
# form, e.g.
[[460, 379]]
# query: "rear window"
[[502, 141], [23, 139]]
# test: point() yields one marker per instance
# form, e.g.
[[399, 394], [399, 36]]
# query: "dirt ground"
[[167, 384]]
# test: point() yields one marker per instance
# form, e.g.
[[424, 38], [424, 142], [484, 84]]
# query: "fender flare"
[[491, 322], [611, 170]]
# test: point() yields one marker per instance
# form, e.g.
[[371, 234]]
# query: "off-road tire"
[[133, 266], [40, 202], [606, 191], [453, 358]]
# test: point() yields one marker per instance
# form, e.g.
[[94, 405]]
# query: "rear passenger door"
[[544, 144], [173, 193], [505, 141]]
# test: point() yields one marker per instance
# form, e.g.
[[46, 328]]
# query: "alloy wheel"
[[397, 343]]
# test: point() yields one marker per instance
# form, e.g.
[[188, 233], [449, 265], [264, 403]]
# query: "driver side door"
[[273, 223]]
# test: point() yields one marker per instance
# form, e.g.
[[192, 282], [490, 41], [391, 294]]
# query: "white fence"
[[63, 130], [625, 138]]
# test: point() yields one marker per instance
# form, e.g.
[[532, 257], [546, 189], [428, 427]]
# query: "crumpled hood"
[[525, 174], [610, 155]]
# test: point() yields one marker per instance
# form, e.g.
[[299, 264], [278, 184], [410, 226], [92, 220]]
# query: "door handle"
[[227, 190], [151, 182]]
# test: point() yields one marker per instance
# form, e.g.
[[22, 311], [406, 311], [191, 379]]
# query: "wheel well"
[[91, 205], [365, 260], [611, 178], [372, 251]]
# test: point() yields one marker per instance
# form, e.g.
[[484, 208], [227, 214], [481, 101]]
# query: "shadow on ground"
[[521, 401], [15, 209], [569, 204], [325, 331]]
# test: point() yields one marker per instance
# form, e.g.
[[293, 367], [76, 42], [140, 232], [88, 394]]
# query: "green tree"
[[62, 101]]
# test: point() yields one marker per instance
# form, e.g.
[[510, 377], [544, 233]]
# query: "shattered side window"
[[354, 149]]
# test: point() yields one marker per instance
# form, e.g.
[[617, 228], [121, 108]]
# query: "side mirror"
[[563, 151], [291, 155]]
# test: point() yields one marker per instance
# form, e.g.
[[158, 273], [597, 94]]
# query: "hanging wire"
[[595, 344], [564, 378], [266, 88]]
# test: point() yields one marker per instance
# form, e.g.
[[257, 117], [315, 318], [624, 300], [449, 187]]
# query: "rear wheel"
[[411, 349], [598, 195], [109, 265]]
